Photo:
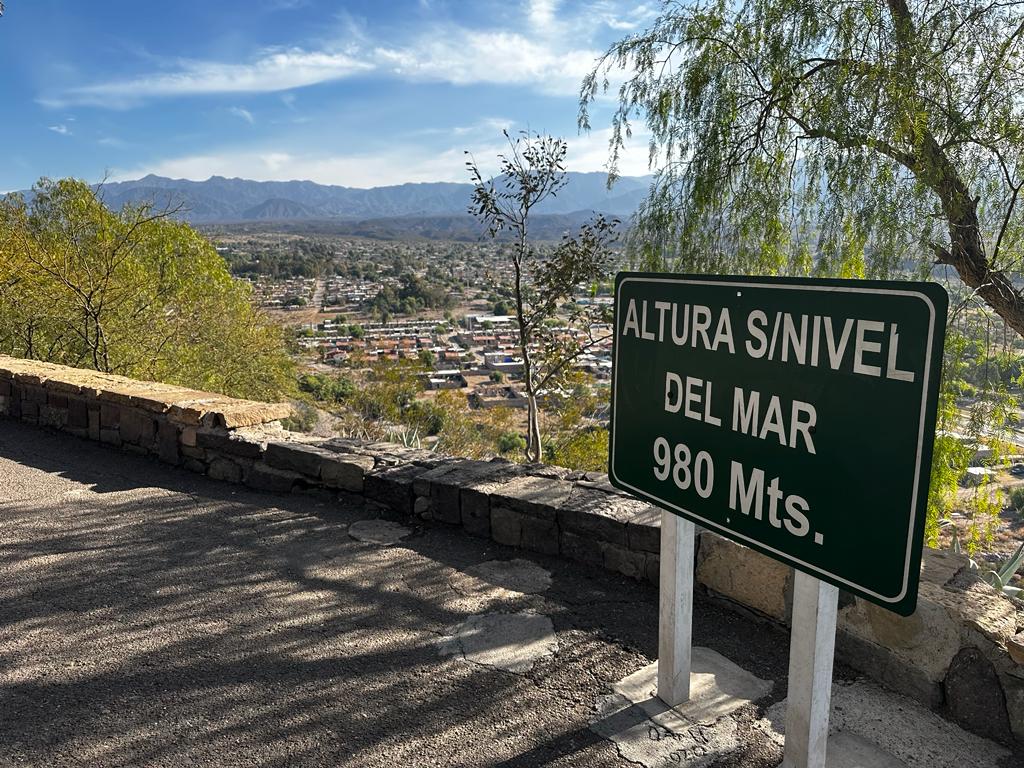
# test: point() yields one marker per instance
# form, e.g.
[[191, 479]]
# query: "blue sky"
[[351, 92]]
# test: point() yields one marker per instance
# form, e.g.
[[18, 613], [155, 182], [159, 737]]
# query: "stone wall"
[[961, 652]]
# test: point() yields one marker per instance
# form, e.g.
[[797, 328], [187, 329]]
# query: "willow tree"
[[851, 138], [131, 292], [857, 138]]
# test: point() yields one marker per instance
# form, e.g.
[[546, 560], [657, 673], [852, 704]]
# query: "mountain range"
[[221, 201]]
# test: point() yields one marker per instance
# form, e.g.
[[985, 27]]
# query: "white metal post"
[[811, 650], [675, 610]]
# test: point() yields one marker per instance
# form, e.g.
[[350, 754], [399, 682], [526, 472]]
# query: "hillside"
[[221, 200], [459, 227]]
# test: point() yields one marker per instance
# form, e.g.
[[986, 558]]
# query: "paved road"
[[151, 617]]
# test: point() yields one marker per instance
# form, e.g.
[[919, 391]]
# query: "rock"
[[583, 549], [264, 478], [193, 453], [421, 486], [1013, 689], [345, 472], [743, 575], [1015, 647], [513, 642], [167, 442], [195, 465], [975, 697], [881, 664], [984, 609], [913, 654], [110, 415], [226, 470], [600, 515], [378, 531], [506, 526], [134, 424], [643, 530], [539, 535], [393, 487], [535, 496], [625, 561], [296, 457], [475, 496], [246, 413], [927, 640], [234, 444], [447, 487]]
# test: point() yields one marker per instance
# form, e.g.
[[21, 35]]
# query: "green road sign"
[[794, 416]]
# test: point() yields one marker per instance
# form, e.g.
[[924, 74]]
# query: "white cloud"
[[277, 70], [491, 125], [551, 50], [541, 13], [286, 5], [464, 57], [243, 113], [62, 129], [590, 152]]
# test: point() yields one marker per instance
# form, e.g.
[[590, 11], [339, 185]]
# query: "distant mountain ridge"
[[219, 200]]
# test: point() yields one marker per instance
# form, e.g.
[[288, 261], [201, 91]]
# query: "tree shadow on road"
[[162, 618]]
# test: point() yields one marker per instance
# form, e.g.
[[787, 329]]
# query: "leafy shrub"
[[303, 418], [511, 442], [328, 389], [1017, 498]]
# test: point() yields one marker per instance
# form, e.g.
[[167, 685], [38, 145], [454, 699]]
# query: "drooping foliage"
[[851, 138], [132, 292], [858, 138]]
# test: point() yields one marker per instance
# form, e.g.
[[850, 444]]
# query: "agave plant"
[[1000, 579], [407, 438]]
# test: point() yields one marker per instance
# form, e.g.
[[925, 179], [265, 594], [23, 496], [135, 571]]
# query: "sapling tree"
[[531, 172]]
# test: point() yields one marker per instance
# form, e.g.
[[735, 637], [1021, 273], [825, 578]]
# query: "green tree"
[[844, 138], [868, 138], [132, 292], [531, 172]]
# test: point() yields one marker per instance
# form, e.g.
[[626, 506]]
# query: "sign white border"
[[920, 436]]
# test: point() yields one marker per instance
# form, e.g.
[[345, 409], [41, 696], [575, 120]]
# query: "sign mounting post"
[[795, 417], [675, 609], [811, 650]]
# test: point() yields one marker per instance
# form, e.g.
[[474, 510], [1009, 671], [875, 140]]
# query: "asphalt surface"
[[152, 617]]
